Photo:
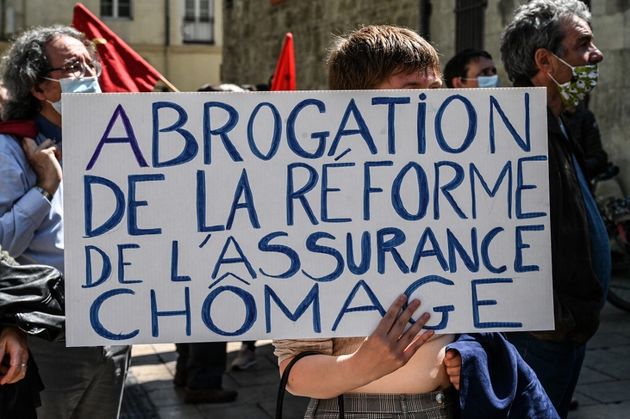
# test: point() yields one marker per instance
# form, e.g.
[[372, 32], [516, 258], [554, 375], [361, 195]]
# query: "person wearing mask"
[[549, 43], [42, 63], [471, 68]]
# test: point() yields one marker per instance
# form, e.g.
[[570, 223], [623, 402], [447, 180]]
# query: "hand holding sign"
[[386, 350], [44, 159], [390, 343]]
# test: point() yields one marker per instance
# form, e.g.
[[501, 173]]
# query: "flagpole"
[[168, 84]]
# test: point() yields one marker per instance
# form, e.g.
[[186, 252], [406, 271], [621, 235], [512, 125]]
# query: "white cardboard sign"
[[237, 216]]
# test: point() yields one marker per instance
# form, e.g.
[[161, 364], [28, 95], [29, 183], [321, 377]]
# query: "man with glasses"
[[41, 64]]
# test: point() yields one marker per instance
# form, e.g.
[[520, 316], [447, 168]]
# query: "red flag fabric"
[[284, 76], [124, 70]]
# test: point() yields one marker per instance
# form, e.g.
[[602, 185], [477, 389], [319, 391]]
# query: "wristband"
[[44, 192]]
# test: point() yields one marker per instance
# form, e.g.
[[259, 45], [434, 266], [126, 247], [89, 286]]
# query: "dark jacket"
[[585, 132], [496, 383], [577, 293], [32, 299]]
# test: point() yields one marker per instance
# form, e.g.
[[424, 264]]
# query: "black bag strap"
[[285, 378]]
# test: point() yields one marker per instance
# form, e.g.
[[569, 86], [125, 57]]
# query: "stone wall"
[[187, 66], [254, 31], [611, 26], [314, 23]]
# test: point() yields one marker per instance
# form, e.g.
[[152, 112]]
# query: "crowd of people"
[[396, 370]]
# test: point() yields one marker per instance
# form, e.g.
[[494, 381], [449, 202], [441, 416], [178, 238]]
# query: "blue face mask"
[[488, 81], [73, 85]]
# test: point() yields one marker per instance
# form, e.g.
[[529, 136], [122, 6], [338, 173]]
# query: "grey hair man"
[[41, 64], [549, 43]]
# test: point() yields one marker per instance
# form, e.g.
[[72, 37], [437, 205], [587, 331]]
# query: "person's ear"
[[457, 82], [543, 61], [38, 93]]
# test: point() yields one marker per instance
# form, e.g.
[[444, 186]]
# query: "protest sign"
[[240, 216]]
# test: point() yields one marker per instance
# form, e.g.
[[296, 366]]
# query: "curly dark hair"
[[25, 64]]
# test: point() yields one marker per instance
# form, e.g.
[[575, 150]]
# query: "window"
[[116, 8], [199, 21], [469, 24]]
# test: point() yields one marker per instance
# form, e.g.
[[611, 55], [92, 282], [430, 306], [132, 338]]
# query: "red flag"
[[284, 76], [124, 70]]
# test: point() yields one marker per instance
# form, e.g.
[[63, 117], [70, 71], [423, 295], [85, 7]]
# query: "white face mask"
[[74, 85], [488, 81], [485, 81]]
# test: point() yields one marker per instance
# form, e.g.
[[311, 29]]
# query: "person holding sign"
[[549, 43], [392, 366], [41, 64]]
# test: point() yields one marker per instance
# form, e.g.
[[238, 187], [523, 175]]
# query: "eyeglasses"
[[77, 69]]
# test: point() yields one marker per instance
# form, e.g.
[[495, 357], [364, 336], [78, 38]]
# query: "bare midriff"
[[423, 373]]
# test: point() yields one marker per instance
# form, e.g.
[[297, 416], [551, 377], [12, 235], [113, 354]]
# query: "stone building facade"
[[254, 30], [182, 39]]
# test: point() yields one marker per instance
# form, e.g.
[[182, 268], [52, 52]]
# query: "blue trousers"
[[557, 365]]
